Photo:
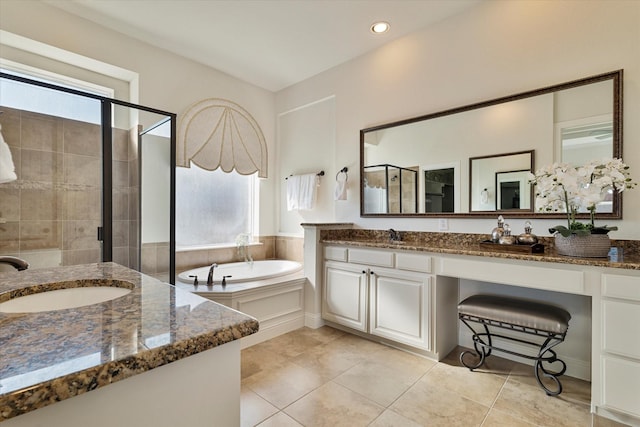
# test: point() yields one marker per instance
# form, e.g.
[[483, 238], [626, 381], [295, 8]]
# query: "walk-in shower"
[[95, 179]]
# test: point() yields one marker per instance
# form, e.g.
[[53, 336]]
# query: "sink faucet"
[[394, 235], [210, 276], [17, 263]]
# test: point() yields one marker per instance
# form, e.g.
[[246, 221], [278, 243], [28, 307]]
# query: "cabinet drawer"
[[621, 385], [335, 253], [620, 320], [617, 286], [413, 262], [379, 258], [552, 279]]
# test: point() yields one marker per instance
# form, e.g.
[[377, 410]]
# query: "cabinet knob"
[[364, 272]]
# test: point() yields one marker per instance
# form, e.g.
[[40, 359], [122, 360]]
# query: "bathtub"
[[272, 291], [238, 272]]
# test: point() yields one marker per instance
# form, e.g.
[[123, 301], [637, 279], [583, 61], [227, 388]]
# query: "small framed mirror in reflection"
[[500, 182]]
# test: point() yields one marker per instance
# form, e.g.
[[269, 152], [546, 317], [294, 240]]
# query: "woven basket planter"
[[589, 246]]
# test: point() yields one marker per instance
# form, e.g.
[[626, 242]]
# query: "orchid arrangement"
[[562, 187]]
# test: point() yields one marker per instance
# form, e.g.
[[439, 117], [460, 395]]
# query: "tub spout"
[[17, 263], [210, 276]]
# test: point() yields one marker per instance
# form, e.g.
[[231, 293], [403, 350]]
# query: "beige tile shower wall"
[[50, 215], [271, 247], [125, 205]]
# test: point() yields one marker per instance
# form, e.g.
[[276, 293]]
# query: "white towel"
[[341, 187], [7, 168], [301, 191]]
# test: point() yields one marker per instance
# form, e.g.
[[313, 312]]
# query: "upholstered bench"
[[521, 315]]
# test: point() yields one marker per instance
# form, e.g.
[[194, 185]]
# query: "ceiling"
[[272, 44]]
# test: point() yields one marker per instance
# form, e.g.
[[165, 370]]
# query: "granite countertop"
[[469, 244], [49, 356]]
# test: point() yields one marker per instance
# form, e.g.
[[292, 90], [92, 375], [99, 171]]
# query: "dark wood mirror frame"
[[615, 76]]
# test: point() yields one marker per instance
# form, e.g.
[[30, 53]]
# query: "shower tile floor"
[[326, 377]]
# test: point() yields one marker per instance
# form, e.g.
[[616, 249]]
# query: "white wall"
[[495, 49], [166, 81], [306, 145]]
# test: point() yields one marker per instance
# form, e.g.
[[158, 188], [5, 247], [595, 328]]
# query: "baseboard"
[[313, 321], [272, 331], [617, 416], [575, 367]]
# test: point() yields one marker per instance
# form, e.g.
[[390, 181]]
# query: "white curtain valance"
[[217, 133]]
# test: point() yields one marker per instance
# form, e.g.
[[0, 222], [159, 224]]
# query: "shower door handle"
[[100, 234]]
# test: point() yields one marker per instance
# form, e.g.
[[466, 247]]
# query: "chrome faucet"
[[394, 235], [210, 276], [17, 263]]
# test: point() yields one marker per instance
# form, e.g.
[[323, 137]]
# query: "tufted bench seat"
[[521, 315]]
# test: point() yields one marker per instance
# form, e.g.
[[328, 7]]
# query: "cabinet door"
[[620, 320], [344, 297], [621, 384], [399, 306]]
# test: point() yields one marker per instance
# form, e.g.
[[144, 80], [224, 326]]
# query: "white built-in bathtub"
[[238, 272], [272, 291]]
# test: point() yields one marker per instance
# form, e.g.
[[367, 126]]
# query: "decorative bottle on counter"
[[498, 231], [507, 238], [527, 238]]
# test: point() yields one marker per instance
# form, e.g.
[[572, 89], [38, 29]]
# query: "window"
[[212, 208], [23, 96]]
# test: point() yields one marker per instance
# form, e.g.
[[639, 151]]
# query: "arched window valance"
[[217, 133]]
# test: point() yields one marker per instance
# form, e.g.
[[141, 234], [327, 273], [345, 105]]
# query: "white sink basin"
[[61, 299]]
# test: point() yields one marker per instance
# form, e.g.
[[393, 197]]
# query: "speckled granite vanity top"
[[468, 244], [49, 356]]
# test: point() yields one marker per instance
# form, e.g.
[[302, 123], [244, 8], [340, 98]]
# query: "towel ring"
[[344, 170]]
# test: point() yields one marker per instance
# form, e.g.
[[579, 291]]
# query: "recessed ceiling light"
[[380, 27]]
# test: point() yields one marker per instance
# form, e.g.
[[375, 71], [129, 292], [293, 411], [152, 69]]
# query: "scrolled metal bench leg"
[[553, 375], [482, 349]]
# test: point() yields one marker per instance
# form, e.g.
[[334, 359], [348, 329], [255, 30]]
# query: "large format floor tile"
[[332, 406], [326, 377]]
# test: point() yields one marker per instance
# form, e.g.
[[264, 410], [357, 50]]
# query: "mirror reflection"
[[574, 122], [390, 189], [500, 182]]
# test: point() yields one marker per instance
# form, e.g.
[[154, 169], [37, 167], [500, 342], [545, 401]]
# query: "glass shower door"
[[94, 182], [142, 179], [50, 214]]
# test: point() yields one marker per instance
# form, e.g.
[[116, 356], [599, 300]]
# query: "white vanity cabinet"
[[382, 293], [345, 295], [399, 304], [620, 357], [410, 297]]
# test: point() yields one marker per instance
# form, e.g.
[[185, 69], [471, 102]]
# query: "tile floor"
[[326, 377]]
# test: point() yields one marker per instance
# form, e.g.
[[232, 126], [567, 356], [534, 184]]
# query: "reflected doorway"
[[439, 189]]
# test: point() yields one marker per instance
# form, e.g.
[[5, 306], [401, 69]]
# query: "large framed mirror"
[[446, 157]]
